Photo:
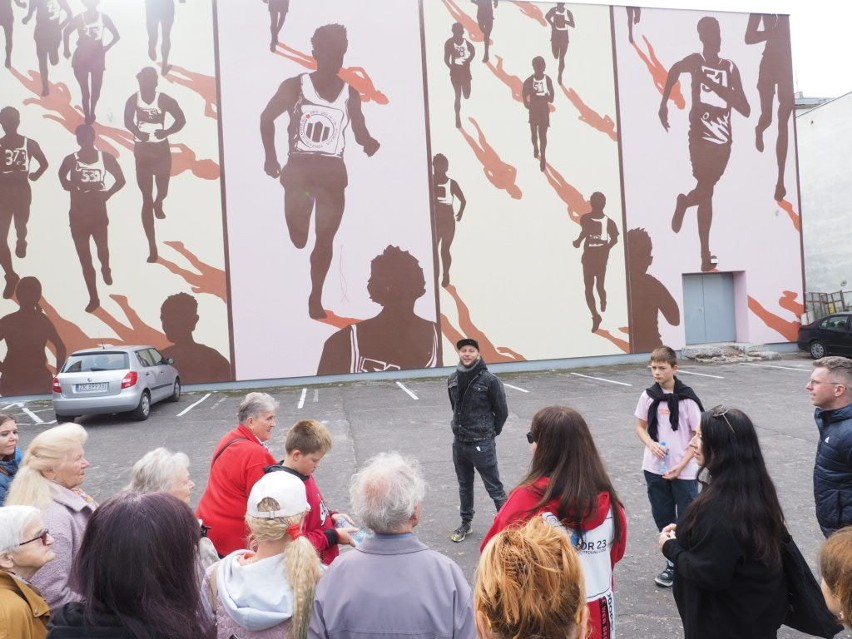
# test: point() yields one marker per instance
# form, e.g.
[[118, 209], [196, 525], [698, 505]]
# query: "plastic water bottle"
[[663, 464], [358, 536]]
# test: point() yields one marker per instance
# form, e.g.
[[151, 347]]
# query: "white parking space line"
[[221, 399], [302, 399], [191, 406], [32, 415], [523, 390], [410, 394], [12, 405], [680, 370], [601, 379], [783, 368], [316, 395]]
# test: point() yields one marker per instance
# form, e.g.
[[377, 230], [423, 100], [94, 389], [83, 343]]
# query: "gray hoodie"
[[254, 600]]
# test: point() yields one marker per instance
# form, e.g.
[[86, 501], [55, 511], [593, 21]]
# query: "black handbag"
[[806, 609]]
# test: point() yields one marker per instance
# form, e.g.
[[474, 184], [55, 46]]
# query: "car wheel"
[[817, 349], [60, 417], [176, 392], [143, 410]]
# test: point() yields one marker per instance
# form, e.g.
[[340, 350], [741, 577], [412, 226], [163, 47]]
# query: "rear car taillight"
[[57, 387], [130, 379]]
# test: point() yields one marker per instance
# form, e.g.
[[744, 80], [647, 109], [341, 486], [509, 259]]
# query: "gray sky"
[[821, 31]]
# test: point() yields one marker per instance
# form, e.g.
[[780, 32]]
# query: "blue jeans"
[[669, 497], [482, 457]]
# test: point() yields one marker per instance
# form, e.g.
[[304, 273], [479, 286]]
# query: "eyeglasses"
[[530, 437], [722, 411], [42, 535], [815, 382]]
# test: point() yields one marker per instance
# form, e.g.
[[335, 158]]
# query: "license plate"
[[91, 388]]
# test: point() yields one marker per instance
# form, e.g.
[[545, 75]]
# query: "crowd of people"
[[260, 558]]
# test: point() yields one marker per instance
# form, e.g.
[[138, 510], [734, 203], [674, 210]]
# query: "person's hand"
[[160, 134], [271, 167], [344, 536], [664, 115], [657, 449], [336, 517], [371, 146], [577, 243], [67, 52], [26, 19], [458, 217], [144, 136], [667, 533], [673, 472]]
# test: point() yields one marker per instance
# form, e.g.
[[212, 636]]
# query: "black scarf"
[[657, 395], [466, 375]]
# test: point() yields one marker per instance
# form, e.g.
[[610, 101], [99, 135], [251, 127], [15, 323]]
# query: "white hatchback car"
[[114, 380]]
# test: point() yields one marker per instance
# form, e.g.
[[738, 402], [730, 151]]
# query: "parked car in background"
[[114, 380], [831, 335]]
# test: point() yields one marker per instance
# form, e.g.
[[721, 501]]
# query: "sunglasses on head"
[[722, 411], [530, 437], [42, 535]]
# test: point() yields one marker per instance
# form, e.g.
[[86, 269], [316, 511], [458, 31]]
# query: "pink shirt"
[[677, 442]]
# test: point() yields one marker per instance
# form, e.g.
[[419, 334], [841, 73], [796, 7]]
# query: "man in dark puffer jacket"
[[830, 389], [479, 412]]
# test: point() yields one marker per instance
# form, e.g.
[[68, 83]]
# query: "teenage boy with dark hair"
[[669, 414]]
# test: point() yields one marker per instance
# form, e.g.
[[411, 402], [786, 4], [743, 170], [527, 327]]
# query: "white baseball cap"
[[288, 490]]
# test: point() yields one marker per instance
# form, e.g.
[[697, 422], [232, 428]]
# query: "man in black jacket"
[[479, 412], [830, 389]]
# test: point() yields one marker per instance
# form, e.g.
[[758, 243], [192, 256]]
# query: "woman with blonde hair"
[[25, 546], [50, 479], [269, 591], [529, 583], [835, 566]]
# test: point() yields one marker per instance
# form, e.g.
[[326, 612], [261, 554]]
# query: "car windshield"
[[92, 362]]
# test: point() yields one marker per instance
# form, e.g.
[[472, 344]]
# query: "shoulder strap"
[[233, 441]]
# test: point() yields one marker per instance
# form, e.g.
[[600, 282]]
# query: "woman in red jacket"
[[568, 485], [238, 462]]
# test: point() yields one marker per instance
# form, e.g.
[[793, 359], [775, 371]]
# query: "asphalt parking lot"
[[412, 417]]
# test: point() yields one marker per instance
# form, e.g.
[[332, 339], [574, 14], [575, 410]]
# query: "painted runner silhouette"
[[513, 82], [538, 96], [648, 296], [277, 13], [446, 193], [27, 331], [202, 84], [716, 90], [207, 279], [395, 339], [775, 77], [577, 204], [789, 329], [531, 11], [320, 107], [460, 16], [560, 19], [160, 17], [7, 22], [468, 329], [659, 74], [485, 20], [197, 363], [48, 33], [600, 234], [84, 175], [145, 117], [634, 15], [89, 59], [16, 154], [458, 52], [137, 332]]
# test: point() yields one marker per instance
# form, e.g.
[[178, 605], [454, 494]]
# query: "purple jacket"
[[393, 585]]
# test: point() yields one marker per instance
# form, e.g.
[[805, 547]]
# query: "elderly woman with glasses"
[[726, 550], [25, 546], [50, 478], [238, 462]]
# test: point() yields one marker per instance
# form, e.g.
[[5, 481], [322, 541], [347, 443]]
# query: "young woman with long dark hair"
[[569, 486], [136, 573], [729, 580]]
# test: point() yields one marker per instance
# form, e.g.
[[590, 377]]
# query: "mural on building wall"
[[536, 175], [94, 95], [332, 193], [711, 196], [529, 165]]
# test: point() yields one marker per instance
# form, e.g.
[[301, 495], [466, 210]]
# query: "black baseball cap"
[[467, 341]]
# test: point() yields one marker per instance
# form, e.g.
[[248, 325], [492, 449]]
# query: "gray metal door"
[[708, 300]]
